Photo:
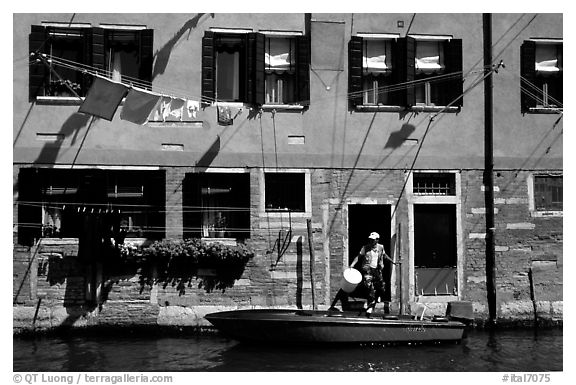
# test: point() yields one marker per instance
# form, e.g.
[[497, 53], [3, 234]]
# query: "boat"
[[292, 326]]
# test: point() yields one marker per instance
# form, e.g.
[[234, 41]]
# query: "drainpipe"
[[489, 169]]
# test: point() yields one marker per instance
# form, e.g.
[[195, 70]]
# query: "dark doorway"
[[435, 251], [364, 219]]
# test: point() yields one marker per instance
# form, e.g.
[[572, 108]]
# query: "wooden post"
[[311, 246], [489, 169]]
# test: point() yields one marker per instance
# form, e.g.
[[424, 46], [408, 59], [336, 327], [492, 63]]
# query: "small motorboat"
[[324, 326]]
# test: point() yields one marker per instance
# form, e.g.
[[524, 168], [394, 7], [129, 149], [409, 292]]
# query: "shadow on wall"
[[396, 138], [163, 54], [71, 127]]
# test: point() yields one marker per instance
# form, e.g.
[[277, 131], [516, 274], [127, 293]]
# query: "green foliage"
[[177, 262]]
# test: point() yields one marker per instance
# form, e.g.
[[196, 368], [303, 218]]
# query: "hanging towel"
[[224, 116], [103, 98], [192, 107], [174, 110], [138, 105]]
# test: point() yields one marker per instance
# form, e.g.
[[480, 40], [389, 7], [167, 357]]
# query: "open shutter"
[[99, 49], [255, 76], [355, 71], [404, 71], [29, 214], [528, 75], [37, 69], [146, 56], [208, 69], [303, 69], [453, 87]]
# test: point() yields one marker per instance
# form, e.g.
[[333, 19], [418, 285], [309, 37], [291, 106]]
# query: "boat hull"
[[296, 326]]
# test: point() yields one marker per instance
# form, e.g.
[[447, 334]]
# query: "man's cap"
[[374, 236]]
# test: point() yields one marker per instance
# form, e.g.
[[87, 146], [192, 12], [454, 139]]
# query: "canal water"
[[482, 351]]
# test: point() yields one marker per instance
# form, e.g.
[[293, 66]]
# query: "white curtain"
[[429, 57], [376, 56], [547, 58], [279, 54]]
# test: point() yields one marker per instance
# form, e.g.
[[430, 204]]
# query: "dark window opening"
[[230, 67], [285, 192], [123, 55], [54, 203], [217, 205], [434, 184], [548, 195], [435, 250]]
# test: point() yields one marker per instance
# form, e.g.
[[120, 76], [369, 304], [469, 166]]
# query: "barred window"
[[548, 194], [434, 184]]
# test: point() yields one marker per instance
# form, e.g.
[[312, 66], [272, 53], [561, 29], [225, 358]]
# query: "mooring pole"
[[489, 168], [311, 246]]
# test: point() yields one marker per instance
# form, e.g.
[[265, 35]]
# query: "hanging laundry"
[[157, 114], [175, 110], [103, 98], [190, 111], [138, 105], [224, 116]]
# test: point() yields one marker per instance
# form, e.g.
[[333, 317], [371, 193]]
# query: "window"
[[284, 192], [548, 193], [124, 54], [541, 74], [407, 72], [280, 61], [253, 68], [55, 202], [217, 205], [61, 46], [434, 184]]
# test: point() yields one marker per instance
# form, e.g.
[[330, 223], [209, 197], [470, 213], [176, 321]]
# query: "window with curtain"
[[280, 67], [429, 62], [377, 71], [541, 73]]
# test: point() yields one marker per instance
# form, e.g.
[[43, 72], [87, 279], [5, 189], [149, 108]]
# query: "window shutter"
[[146, 55], [255, 68], [355, 71], [404, 71], [29, 215], [410, 71], [208, 69], [453, 87], [303, 69], [99, 49], [37, 69], [527, 75], [556, 91]]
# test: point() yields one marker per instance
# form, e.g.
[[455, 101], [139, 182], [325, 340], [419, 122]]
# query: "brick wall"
[[49, 281]]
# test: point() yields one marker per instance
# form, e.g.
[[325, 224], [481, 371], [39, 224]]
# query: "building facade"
[[274, 127]]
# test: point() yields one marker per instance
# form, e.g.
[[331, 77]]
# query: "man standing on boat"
[[371, 258]]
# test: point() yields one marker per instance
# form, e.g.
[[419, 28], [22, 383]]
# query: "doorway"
[[435, 249], [364, 219]]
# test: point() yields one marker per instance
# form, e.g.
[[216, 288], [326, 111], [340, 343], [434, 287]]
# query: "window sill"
[[423, 108], [59, 100], [287, 107], [547, 214], [378, 108], [545, 110]]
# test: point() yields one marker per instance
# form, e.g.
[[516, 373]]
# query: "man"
[[371, 258]]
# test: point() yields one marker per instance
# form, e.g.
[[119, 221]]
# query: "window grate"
[[434, 184]]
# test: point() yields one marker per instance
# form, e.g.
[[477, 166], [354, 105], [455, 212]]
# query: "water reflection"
[[509, 350]]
